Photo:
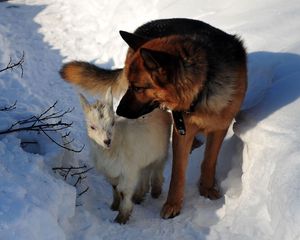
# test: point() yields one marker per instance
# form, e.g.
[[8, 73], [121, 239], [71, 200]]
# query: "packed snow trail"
[[258, 169]]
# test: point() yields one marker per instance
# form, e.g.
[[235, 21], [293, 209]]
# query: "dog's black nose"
[[107, 142]]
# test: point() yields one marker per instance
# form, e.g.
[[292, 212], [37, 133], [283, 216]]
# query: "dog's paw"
[[211, 193], [170, 210]]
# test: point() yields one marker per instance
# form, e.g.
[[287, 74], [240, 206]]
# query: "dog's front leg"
[[207, 185], [181, 148]]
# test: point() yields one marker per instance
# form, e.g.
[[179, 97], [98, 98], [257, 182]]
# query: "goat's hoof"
[[170, 210], [136, 199], [155, 193], [114, 206], [122, 218]]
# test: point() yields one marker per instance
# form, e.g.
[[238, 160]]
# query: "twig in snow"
[[12, 65], [83, 172], [79, 179], [84, 191], [74, 172], [40, 123], [9, 108]]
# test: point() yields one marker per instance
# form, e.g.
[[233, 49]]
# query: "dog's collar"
[[179, 122], [178, 116]]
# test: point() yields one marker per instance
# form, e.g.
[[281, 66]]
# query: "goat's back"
[[144, 140], [135, 144]]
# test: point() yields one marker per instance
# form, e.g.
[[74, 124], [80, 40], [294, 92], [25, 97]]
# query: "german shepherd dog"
[[188, 67]]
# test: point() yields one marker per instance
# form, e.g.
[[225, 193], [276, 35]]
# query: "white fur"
[[137, 152]]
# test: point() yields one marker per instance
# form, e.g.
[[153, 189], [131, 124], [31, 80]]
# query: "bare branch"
[[84, 191], [69, 173], [69, 142], [66, 135], [62, 146], [47, 110], [12, 65], [67, 168], [9, 108], [80, 178], [40, 123], [48, 127], [79, 173]]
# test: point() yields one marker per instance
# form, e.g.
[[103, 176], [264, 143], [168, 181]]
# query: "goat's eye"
[[92, 127]]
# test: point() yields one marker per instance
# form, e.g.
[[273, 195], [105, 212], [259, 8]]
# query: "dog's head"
[[151, 74]]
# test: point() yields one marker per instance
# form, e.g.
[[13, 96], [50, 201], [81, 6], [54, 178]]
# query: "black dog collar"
[[178, 116], [179, 122]]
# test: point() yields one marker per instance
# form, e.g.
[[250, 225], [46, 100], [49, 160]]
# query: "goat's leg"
[[157, 178], [116, 199], [143, 186], [126, 189]]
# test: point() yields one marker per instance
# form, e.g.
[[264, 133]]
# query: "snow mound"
[[33, 202]]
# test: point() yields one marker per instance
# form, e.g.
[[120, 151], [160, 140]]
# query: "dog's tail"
[[94, 79]]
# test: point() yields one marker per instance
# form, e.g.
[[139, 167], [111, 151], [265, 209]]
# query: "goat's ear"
[[134, 41], [109, 97], [84, 103]]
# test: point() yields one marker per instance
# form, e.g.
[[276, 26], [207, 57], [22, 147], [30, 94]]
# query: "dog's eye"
[[138, 89], [92, 127]]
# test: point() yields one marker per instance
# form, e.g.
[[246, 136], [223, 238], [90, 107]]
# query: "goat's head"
[[100, 119]]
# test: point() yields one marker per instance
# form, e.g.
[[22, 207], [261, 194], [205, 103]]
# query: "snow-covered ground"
[[259, 165]]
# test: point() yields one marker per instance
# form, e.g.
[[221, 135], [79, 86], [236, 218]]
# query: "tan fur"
[[95, 80], [219, 103], [214, 125], [174, 96], [175, 86]]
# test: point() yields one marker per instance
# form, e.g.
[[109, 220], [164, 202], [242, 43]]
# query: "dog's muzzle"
[[124, 110]]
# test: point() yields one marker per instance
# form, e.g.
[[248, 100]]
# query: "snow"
[[31, 198], [258, 168]]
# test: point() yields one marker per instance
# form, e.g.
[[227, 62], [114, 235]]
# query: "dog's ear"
[[84, 103], [154, 60], [134, 41]]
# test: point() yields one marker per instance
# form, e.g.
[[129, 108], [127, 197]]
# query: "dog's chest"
[[197, 119]]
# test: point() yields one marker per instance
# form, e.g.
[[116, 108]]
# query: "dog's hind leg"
[[207, 184], [196, 144]]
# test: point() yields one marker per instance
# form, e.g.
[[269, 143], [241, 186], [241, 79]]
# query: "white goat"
[[130, 153]]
